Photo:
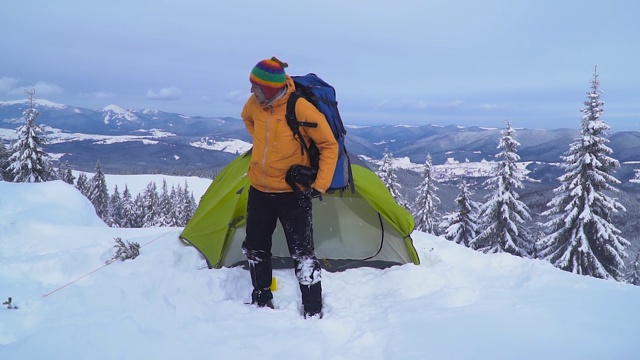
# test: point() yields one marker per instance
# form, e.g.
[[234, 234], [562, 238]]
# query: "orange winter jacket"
[[275, 149]]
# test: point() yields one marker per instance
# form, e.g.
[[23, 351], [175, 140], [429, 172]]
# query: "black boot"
[[262, 298], [261, 279], [312, 300]]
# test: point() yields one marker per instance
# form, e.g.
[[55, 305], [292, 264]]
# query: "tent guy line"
[[109, 262]]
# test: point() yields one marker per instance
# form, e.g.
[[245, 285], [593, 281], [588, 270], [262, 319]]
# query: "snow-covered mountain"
[[118, 114], [39, 103], [126, 139], [152, 139], [112, 119]]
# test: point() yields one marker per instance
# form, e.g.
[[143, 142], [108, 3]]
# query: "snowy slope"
[[458, 304]]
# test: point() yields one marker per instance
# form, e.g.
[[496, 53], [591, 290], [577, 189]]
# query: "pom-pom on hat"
[[269, 75]]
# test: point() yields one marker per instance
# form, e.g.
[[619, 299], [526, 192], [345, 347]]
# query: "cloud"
[[418, 105], [236, 97], [421, 105], [7, 84], [492, 107], [99, 95], [44, 88], [41, 88], [384, 104], [167, 94]]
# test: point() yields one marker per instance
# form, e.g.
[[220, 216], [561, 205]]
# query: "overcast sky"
[[462, 62]]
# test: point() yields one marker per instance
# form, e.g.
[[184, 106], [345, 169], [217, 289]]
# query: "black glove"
[[313, 193]]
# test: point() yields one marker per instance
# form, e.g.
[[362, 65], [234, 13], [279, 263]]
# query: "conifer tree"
[[165, 206], [65, 174], [537, 231], [633, 273], [188, 205], [582, 238], [98, 194], [28, 162], [387, 175], [82, 184], [151, 206], [139, 213], [5, 174], [129, 213], [59, 172], [503, 216], [425, 206], [461, 226], [172, 213], [116, 209], [181, 206]]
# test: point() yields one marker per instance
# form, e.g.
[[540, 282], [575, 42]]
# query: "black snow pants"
[[263, 212]]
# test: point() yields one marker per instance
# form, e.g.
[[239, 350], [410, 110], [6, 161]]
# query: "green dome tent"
[[365, 228]]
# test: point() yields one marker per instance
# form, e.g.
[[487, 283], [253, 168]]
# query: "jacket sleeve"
[[323, 137], [247, 118]]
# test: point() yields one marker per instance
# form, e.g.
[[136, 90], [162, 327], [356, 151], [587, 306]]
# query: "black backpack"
[[323, 97]]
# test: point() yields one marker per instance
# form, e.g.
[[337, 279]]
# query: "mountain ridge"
[[83, 136]]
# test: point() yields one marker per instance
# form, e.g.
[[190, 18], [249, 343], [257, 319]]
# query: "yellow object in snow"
[[274, 284]]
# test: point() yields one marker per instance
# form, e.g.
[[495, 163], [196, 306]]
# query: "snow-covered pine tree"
[[116, 209], [387, 175], [139, 213], [65, 174], [181, 206], [151, 206], [82, 184], [188, 204], [98, 193], [503, 216], [425, 207], [536, 231], [165, 206], [5, 174], [124, 252], [28, 162], [461, 226], [129, 213], [581, 237], [633, 272], [59, 172], [174, 219]]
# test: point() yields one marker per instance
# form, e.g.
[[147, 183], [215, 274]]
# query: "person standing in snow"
[[271, 198]]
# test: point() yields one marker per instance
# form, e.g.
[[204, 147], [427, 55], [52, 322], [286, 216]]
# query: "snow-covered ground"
[[232, 146], [458, 304], [452, 169]]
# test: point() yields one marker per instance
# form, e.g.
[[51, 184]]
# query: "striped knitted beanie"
[[269, 75]]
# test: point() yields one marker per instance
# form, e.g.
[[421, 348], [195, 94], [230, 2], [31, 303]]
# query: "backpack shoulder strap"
[[293, 122]]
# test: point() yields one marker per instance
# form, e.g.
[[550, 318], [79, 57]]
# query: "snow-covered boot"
[[261, 273], [262, 298], [313, 314], [309, 275], [312, 300]]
